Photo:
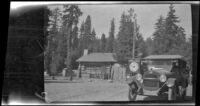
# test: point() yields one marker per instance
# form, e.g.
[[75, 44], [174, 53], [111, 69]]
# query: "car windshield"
[[158, 64]]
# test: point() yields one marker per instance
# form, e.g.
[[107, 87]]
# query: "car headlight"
[[163, 78], [170, 85], [139, 77], [133, 67]]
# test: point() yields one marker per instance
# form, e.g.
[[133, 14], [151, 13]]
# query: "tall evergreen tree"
[[93, 44], [75, 41], [111, 38], [87, 34], [122, 49], [52, 44], [149, 46], [174, 33], [88, 25], [82, 29], [97, 45], [168, 36], [159, 36], [103, 43], [125, 36], [82, 37], [47, 58], [140, 47], [70, 19], [93, 34]]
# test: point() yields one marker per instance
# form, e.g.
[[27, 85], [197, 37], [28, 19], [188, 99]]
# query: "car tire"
[[132, 93]]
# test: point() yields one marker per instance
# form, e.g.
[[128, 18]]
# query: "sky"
[[147, 15]]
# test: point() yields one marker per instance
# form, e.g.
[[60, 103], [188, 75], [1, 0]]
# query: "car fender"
[[135, 81], [171, 82]]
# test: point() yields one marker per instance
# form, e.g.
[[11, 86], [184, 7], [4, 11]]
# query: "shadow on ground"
[[57, 81], [164, 98]]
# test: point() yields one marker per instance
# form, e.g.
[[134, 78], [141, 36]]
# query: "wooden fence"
[[97, 72]]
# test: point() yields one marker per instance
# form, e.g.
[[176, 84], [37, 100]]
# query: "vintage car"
[[157, 75]]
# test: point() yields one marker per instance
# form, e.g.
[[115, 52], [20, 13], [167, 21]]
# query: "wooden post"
[[80, 68], [110, 71], [134, 37]]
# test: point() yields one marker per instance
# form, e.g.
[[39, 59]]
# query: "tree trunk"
[[53, 77], [71, 77], [69, 51], [80, 74], [79, 70], [110, 71]]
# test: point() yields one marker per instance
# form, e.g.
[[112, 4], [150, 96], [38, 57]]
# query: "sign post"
[[134, 36]]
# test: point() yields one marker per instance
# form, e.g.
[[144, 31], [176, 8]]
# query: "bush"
[[57, 65]]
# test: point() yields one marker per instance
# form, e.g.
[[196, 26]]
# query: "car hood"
[[161, 71]]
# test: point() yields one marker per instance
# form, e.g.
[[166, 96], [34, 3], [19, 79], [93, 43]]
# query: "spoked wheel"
[[132, 93], [172, 93]]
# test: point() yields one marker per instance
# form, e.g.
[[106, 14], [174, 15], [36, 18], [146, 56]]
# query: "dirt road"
[[92, 91]]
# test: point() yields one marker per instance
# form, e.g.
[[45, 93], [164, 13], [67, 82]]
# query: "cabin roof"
[[164, 57], [98, 57]]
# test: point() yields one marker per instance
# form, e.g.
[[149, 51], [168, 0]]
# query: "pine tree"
[[82, 29], [122, 49], [93, 34], [82, 37], [103, 43], [140, 47], [110, 41], [172, 30], [47, 58], [46, 25], [149, 46], [87, 34], [168, 36], [52, 43], [125, 36], [93, 44], [75, 41], [70, 19], [88, 25], [159, 36]]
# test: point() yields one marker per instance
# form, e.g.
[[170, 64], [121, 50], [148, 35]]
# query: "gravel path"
[[96, 90]]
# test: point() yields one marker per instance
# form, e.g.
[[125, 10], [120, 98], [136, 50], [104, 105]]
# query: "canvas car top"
[[164, 57]]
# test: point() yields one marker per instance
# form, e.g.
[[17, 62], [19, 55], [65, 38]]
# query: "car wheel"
[[132, 94], [172, 93]]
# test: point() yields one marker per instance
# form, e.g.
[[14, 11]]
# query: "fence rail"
[[97, 72]]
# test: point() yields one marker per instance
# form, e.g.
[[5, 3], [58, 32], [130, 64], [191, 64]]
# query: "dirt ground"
[[92, 90]]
